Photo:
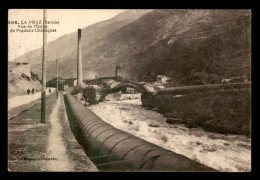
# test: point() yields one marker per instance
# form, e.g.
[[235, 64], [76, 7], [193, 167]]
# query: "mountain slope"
[[20, 79], [65, 47], [191, 46], [208, 47], [188, 45]]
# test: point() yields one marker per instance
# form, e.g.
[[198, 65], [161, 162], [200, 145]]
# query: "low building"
[[67, 83], [157, 86], [149, 87], [101, 80], [162, 79], [94, 86], [111, 81], [70, 82], [64, 84]]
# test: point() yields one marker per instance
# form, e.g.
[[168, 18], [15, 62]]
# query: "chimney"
[[79, 59]]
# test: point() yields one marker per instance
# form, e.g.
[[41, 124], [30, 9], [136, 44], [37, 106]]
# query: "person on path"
[[28, 91], [49, 90], [32, 90]]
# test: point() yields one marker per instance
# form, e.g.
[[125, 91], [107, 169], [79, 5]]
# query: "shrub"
[[34, 76], [90, 95], [26, 77], [75, 91]]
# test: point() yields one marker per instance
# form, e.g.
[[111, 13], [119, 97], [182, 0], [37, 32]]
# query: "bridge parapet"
[[123, 85]]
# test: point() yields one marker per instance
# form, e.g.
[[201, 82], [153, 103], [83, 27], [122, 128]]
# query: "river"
[[226, 153]]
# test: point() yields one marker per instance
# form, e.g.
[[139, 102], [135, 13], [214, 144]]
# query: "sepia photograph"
[[129, 90]]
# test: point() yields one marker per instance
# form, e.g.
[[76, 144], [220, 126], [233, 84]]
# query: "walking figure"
[[49, 90], [28, 91], [33, 91]]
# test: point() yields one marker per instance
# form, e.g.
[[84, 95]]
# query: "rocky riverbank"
[[224, 112]]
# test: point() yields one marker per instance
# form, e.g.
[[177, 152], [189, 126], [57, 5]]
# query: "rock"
[[191, 125], [211, 150], [155, 109], [198, 143], [130, 122], [242, 145], [165, 115], [153, 125], [169, 115], [174, 114], [173, 120], [164, 138], [246, 130]]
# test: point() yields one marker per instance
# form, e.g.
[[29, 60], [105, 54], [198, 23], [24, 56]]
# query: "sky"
[[67, 21]]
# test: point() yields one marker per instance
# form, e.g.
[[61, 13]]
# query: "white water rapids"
[[226, 153]]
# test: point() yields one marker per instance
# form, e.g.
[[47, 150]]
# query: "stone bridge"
[[138, 86]]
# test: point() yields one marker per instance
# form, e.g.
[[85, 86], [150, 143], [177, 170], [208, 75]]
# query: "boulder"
[[174, 120]]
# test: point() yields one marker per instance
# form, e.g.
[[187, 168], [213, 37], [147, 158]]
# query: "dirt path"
[[37, 147], [56, 149], [63, 151]]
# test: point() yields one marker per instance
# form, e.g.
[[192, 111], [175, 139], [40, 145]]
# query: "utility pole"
[[79, 59], [43, 97], [57, 87]]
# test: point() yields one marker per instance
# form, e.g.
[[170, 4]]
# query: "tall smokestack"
[[79, 58]]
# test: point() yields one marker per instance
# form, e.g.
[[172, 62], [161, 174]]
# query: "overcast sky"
[[20, 43]]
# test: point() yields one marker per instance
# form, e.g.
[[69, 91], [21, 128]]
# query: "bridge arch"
[[121, 86]]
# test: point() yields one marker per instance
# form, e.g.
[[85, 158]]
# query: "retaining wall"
[[223, 108]]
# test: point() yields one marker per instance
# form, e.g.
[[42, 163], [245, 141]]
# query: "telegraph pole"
[[57, 87], [43, 97]]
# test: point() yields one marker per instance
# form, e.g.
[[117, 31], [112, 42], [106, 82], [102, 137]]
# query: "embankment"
[[223, 108]]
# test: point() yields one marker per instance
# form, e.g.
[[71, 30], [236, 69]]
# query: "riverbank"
[[227, 153], [223, 111]]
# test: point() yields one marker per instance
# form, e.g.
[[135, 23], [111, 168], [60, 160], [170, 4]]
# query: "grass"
[[26, 146]]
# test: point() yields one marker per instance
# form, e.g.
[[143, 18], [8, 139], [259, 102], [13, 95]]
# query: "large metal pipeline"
[[114, 150]]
